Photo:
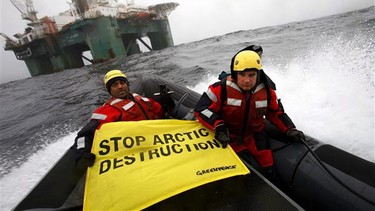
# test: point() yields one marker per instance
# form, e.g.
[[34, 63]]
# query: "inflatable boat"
[[309, 175]]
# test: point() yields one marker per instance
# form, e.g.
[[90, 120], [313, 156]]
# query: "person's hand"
[[222, 134], [297, 135], [82, 149], [85, 160]]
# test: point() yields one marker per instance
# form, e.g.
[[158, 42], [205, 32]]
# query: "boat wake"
[[32, 170]]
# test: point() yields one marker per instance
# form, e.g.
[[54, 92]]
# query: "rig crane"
[[26, 7]]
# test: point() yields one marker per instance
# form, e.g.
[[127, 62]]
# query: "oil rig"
[[106, 28]]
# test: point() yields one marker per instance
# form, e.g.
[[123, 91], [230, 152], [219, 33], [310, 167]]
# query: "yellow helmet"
[[247, 60], [112, 76]]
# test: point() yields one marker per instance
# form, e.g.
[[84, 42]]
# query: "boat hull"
[[299, 175]]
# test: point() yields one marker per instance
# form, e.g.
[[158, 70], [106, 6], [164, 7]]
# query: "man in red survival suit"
[[235, 108], [122, 106]]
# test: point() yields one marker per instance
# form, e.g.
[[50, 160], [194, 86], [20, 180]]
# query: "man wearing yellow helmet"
[[122, 106], [235, 108]]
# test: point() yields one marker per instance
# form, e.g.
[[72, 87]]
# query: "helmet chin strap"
[[259, 80]]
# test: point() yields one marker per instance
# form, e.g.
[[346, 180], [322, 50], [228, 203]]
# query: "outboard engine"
[[184, 98]]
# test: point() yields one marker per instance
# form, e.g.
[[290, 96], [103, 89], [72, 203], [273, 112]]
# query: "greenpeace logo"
[[216, 169]]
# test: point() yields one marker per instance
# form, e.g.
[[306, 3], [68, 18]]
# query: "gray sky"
[[191, 21]]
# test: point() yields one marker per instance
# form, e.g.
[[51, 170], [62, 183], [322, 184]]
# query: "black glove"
[[82, 148], [222, 134], [297, 135], [87, 159]]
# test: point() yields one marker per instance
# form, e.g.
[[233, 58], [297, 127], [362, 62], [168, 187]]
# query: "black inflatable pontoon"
[[310, 176]]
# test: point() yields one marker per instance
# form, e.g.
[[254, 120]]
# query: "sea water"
[[323, 70]]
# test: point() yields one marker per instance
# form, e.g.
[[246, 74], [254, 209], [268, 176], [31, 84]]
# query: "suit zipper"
[[245, 121]]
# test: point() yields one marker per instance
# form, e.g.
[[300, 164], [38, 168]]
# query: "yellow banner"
[[142, 163]]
